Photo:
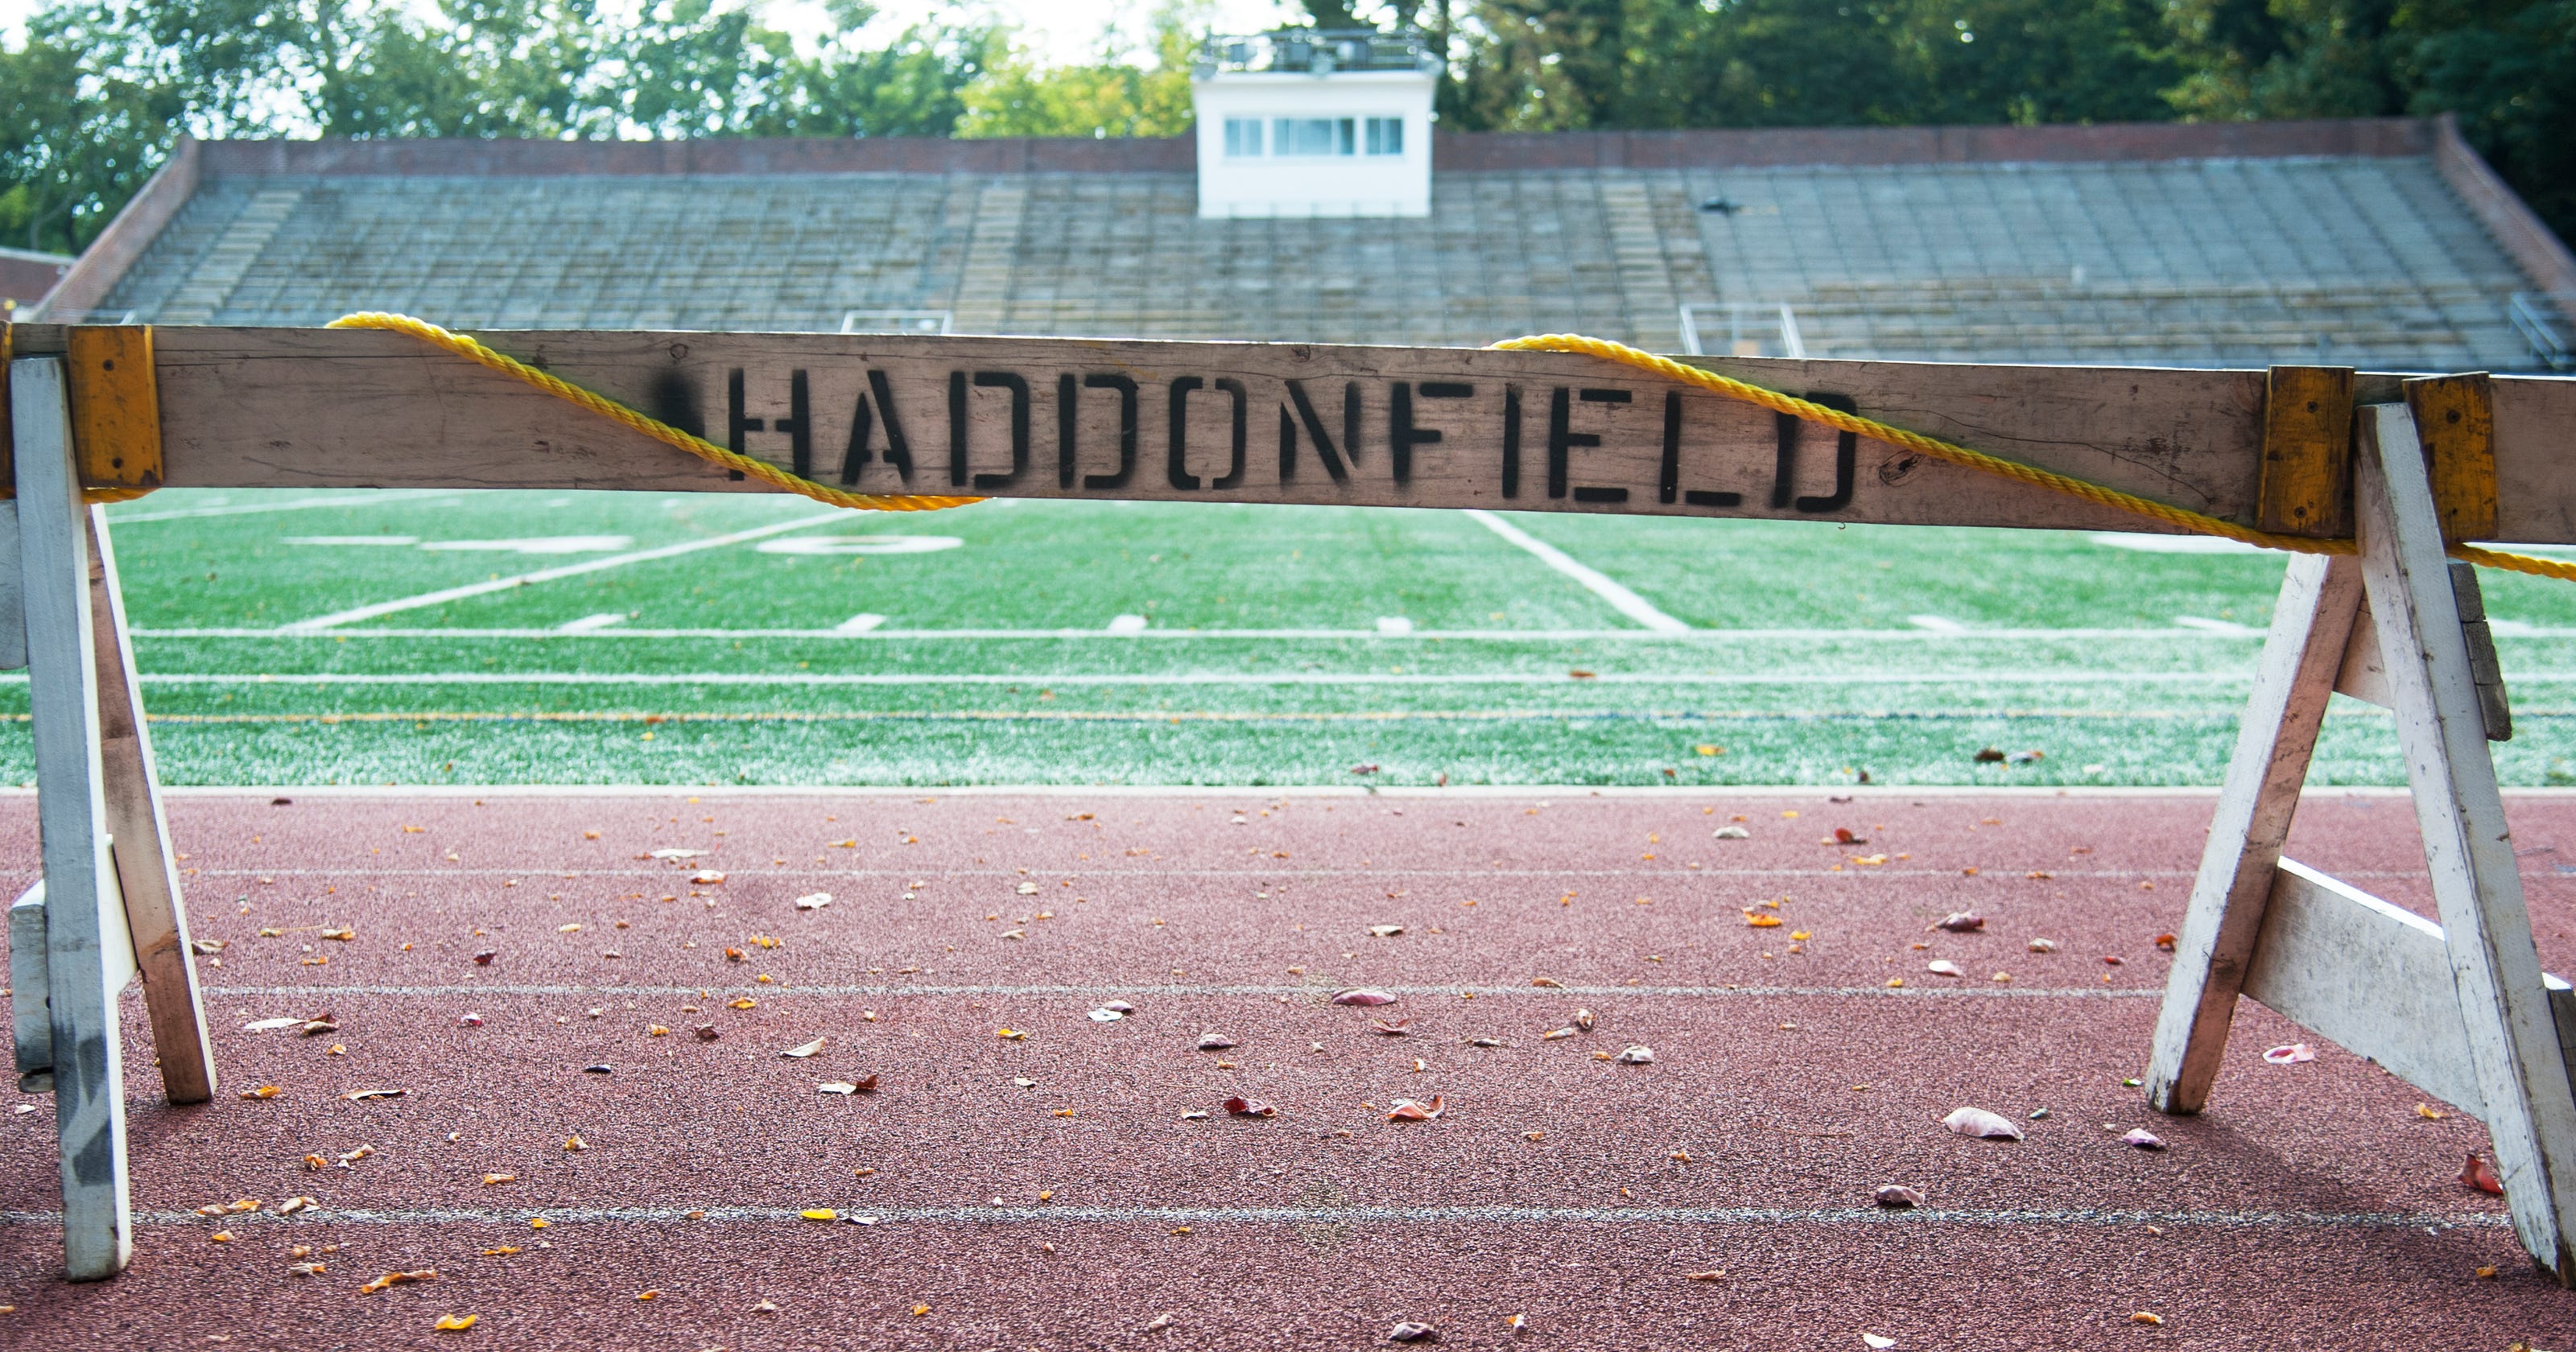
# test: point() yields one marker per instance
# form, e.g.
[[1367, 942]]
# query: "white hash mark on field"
[[1938, 624], [1127, 624], [588, 623], [1591, 579], [859, 623], [2209, 626]]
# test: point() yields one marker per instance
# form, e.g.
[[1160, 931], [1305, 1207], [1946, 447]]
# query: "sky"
[[1061, 31]]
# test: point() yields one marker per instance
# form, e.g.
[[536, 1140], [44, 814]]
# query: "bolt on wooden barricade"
[[2307, 453]]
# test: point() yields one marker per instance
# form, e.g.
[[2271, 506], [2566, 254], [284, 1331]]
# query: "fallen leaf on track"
[[1248, 1108], [2477, 1175], [1761, 920], [813, 901], [1362, 997], [1878, 1342], [2150, 1320], [1394, 1028], [1385, 931], [1943, 967], [1409, 1110], [2291, 1055], [1960, 922], [1411, 1332], [706, 877], [1548, 981], [455, 1323], [1583, 1019], [1712, 1275], [1978, 1122], [266, 1091], [1898, 1196], [362, 1095], [391, 1279], [1214, 1042], [809, 1049], [2143, 1139], [2430, 1113], [1635, 1056]]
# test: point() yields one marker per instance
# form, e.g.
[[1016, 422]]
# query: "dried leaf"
[[2150, 1320], [2043, 945], [1761, 919], [266, 1091], [1119, 1007], [1105, 1014], [1548, 981], [1412, 1332], [1214, 1042], [1010, 1035], [484, 958], [1843, 836], [677, 854], [2477, 1175], [574, 1142], [309, 1269], [1635, 1056], [1583, 1019], [272, 1025], [1879, 1342], [295, 1204], [2430, 1113], [707, 1032], [1554, 1034], [1385, 931], [2291, 1055], [392, 1279], [2143, 1139], [742, 1002], [1960, 922], [1711, 1275], [1943, 967], [573, 928], [455, 1323], [1362, 997], [1242, 1107], [490, 1179], [1410, 1110], [813, 901], [1731, 833], [1897, 1196], [819, 1213], [706, 877], [1391, 1028], [808, 1049], [1979, 1122]]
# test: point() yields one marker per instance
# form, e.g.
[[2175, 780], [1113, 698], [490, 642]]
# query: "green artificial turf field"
[[596, 638]]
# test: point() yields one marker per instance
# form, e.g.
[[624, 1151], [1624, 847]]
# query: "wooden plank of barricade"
[[1239, 422], [146, 873], [88, 952], [2512, 1032], [2293, 683], [2307, 451]]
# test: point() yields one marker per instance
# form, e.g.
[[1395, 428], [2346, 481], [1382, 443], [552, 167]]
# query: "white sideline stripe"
[[1600, 584], [1208, 678], [592, 623], [1338, 1215], [117, 518], [1148, 870], [1961, 992], [850, 629], [1126, 624], [447, 594], [2209, 626], [1394, 626], [1936, 624]]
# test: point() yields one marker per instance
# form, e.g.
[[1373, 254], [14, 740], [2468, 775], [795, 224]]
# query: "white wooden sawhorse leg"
[[2340, 962], [88, 951], [109, 905]]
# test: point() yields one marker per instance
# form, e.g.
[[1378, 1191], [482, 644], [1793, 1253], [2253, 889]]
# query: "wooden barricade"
[[2461, 1009]]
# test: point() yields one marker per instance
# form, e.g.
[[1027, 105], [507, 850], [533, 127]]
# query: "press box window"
[[1385, 136], [1242, 137], [1313, 136]]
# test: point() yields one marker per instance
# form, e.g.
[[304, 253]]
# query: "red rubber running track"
[[1050, 1192]]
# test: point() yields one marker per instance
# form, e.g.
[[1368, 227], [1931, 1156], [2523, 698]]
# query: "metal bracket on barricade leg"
[[2462, 1009]]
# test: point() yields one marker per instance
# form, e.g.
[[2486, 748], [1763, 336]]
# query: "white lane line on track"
[[1591, 579], [447, 594], [826, 679], [1098, 874], [1340, 1215], [117, 518], [852, 628], [1235, 992]]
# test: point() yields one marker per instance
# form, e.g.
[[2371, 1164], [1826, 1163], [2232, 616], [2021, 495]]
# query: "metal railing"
[[1749, 328], [1317, 51]]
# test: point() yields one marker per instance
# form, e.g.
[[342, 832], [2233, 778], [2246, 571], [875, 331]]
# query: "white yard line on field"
[[873, 626], [370, 499], [447, 594], [1591, 579], [1198, 678]]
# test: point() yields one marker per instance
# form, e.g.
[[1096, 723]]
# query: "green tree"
[[78, 133], [1110, 97]]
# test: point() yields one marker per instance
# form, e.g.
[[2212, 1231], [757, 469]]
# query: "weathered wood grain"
[[2455, 416], [88, 952], [2512, 1030], [1427, 427], [2274, 744], [2307, 451]]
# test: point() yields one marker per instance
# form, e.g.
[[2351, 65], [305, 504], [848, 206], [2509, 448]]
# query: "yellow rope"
[[658, 430], [2199, 522]]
